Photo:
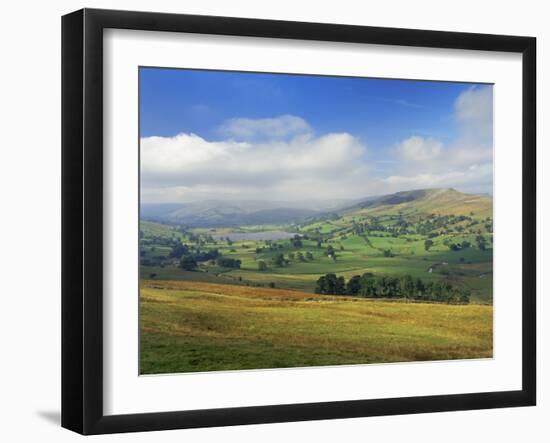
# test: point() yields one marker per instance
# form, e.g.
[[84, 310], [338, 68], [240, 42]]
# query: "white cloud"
[[466, 163], [420, 149], [475, 178], [474, 114], [281, 158], [426, 154], [280, 127], [188, 167]]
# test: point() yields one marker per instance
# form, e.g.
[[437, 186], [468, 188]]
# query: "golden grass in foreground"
[[190, 326]]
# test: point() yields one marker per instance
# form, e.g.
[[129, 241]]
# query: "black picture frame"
[[82, 218]]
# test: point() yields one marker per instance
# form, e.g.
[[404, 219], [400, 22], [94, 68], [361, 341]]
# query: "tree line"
[[371, 286], [189, 258]]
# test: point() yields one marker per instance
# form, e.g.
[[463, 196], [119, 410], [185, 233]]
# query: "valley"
[[403, 277], [437, 236]]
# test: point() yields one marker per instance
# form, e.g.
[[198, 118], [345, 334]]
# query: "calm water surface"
[[256, 236]]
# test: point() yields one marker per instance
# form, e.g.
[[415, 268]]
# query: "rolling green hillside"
[[438, 236]]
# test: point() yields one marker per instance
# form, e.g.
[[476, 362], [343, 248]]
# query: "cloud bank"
[[293, 164], [281, 158], [466, 163]]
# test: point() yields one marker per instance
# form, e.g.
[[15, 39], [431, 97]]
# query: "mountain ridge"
[[217, 213], [442, 201]]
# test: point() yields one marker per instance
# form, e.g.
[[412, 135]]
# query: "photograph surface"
[[301, 220]]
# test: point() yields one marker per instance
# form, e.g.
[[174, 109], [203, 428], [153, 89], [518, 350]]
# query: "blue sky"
[[379, 134]]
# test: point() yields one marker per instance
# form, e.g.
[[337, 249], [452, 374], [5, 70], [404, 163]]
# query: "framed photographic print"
[[269, 221]]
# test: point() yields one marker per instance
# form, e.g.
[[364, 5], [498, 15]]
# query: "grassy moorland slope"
[[189, 326], [443, 201]]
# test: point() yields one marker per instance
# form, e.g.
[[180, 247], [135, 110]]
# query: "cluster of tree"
[[374, 225], [279, 260], [296, 241], [180, 250], [368, 285], [402, 223], [227, 262], [396, 231], [358, 228], [270, 246], [196, 238], [398, 226], [394, 223], [189, 257], [330, 284], [481, 243], [459, 246], [202, 256], [190, 261], [433, 222], [155, 240], [300, 256], [331, 252]]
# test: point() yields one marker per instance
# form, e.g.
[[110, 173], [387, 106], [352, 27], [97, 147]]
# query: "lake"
[[256, 236]]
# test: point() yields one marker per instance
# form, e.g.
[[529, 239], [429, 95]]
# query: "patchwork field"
[[190, 326]]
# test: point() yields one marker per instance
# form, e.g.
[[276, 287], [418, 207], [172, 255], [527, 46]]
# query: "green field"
[[196, 326], [252, 296]]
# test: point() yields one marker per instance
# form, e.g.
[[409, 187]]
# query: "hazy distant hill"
[[217, 213], [213, 213], [158, 211]]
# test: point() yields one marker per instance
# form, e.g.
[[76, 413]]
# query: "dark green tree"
[[296, 241], [188, 263], [279, 260], [354, 285], [331, 285], [481, 242], [178, 250], [407, 286], [464, 296]]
